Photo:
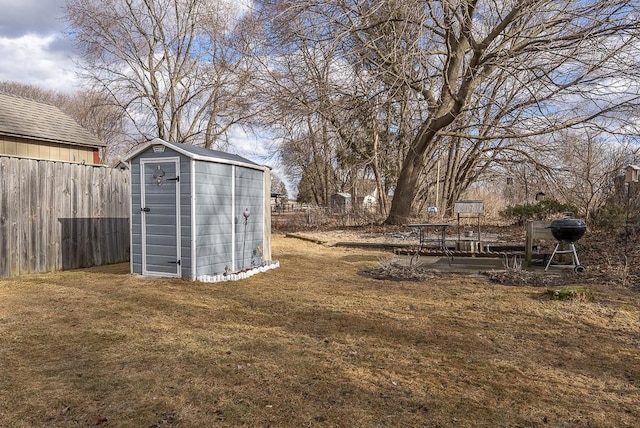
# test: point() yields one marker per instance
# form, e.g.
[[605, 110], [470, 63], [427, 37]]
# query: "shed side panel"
[[136, 218], [250, 236], [214, 222], [185, 215]]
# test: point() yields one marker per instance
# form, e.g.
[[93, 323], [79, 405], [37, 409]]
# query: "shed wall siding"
[[185, 215], [136, 218], [214, 218], [249, 189]]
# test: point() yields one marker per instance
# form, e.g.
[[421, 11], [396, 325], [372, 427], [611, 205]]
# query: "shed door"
[[160, 206]]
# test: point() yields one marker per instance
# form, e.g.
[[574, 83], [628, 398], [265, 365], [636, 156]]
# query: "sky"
[[34, 50]]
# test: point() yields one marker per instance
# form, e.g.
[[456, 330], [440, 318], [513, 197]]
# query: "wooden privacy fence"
[[56, 215]]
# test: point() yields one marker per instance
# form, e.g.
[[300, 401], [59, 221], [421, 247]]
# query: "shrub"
[[539, 211], [610, 216]]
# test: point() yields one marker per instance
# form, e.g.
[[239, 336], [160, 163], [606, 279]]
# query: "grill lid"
[[568, 223], [568, 229]]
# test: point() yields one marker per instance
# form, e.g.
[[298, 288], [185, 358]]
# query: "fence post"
[[528, 245]]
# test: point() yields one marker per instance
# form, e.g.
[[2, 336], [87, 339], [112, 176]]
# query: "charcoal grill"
[[568, 231]]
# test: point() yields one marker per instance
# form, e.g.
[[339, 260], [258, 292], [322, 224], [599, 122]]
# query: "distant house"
[[632, 174], [366, 195], [36, 130]]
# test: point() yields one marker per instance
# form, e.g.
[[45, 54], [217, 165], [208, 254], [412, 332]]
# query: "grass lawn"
[[313, 344]]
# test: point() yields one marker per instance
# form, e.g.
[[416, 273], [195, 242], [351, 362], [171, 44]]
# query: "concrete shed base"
[[243, 274]]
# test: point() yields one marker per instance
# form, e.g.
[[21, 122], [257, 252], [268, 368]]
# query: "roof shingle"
[[21, 117]]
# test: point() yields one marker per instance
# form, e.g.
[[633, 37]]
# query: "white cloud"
[[258, 148], [30, 59]]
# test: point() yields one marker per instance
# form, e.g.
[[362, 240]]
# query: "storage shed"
[[197, 213], [341, 202]]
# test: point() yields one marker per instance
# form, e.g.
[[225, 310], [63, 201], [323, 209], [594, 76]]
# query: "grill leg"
[[577, 267], [576, 262], [552, 254]]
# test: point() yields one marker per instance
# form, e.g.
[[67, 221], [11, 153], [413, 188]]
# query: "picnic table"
[[429, 233]]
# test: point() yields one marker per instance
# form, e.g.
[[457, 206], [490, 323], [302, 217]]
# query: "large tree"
[[485, 75], [178, 68]]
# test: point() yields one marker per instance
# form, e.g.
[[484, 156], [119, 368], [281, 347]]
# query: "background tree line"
[[443, 94], [423, 99]]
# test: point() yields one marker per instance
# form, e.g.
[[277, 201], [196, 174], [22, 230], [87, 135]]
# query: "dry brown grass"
[[313, 344]]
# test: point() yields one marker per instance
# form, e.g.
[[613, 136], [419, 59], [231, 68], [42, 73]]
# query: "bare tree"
[[298, 84], [587, 167], [176, 67], [338, 125], [484, 75], [97, 113], [33, 92], [278, 186]]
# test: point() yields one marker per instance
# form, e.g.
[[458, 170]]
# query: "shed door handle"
[[145, 209]]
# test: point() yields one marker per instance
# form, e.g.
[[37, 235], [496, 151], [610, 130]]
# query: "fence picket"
[[56, 215]]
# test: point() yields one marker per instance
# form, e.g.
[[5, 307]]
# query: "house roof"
[[199, 153], [24, 118]]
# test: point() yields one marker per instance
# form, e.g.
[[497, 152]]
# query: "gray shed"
[[341, 202], [197, 213]]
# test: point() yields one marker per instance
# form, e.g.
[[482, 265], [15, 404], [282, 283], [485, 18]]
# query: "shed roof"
[[342, 195], [24, 118], [199, 153]]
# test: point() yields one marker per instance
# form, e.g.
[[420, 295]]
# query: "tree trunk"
[[421, 146], [375, 166], [405, 191]]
